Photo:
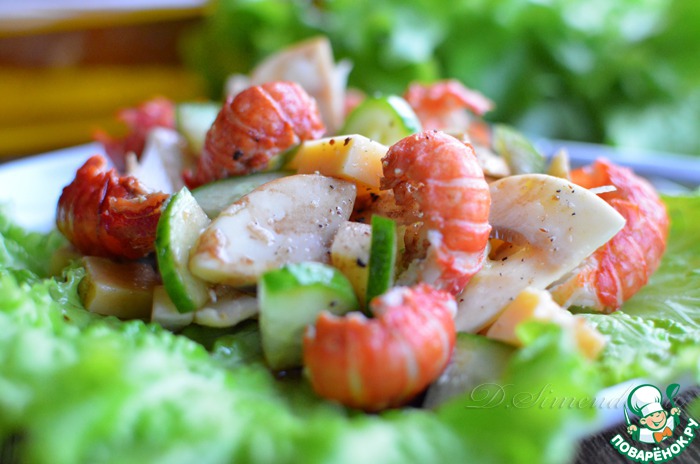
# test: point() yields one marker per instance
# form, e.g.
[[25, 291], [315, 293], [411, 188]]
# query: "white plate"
[[31, 186], [669, 172]]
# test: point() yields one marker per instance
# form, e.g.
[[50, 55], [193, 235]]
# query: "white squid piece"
[[288, 220], [552, 225]]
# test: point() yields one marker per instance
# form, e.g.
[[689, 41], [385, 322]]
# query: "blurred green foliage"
[[624, 72]]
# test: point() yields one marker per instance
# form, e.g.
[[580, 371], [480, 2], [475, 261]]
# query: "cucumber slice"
[[291, 299], [385, 119], [476, 361], [522, 157], [193, 120], [216, 196], [178, 230], [382, 257]]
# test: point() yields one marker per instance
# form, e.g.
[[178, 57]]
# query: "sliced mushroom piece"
[[227, 307], [288, 220], [121, 289], [550, 225]]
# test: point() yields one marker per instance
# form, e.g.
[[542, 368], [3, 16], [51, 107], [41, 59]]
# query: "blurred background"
[[67, 66], [619, 72]]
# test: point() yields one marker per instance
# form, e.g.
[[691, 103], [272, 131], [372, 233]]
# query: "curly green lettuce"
[[82, 389], [655, 334], [23, 252]]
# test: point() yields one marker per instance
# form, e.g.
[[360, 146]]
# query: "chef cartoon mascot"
[[655, 423]]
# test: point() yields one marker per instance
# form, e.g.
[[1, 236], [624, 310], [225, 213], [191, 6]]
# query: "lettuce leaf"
[[537, 412], [22, 251], [655, 333], [651, 348], [77, 388], [135, 393], [673, 292]]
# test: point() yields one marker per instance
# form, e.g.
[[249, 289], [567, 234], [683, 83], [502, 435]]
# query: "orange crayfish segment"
[[158, 112], [103, 214], [438, 175], [253, 127], [374, 364], [618, 269], [441, 105]]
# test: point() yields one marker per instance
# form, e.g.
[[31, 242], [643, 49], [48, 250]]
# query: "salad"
[[298, 296]]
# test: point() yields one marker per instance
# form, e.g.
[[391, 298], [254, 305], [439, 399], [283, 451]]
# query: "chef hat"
[[645, 400]]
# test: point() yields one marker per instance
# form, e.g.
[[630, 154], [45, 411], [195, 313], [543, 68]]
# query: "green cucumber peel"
[[382, 257], [520, 154], [291, 298], [178, 230], [216, 196], [384, 119]]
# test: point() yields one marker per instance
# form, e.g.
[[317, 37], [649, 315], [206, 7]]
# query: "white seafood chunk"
[[550, 225], [292, 219]]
